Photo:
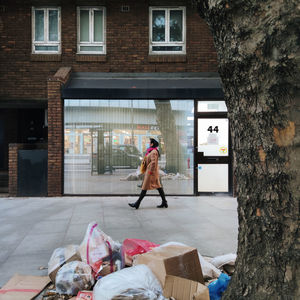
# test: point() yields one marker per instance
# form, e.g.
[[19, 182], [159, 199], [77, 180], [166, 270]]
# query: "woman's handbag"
[[143, 166]]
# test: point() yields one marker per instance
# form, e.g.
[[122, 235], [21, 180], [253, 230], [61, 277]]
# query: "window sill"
[[45, 57], [166, 58], [91, 57]]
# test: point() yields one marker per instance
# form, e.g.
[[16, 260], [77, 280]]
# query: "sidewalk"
[[31, 228]]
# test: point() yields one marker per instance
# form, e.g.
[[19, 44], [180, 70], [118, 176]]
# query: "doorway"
[[212, 148]]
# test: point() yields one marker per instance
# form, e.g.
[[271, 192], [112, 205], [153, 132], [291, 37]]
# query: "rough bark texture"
[[258, 50]]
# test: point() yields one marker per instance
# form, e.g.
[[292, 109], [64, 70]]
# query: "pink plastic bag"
[[133, 247]]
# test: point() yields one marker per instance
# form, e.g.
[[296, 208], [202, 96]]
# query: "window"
[[46, 30], [167, 30], [91, 30]]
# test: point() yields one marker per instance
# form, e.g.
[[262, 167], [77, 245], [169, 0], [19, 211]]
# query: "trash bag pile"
[[103, 269]]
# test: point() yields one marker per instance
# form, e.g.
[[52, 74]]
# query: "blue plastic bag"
[[217, 287]]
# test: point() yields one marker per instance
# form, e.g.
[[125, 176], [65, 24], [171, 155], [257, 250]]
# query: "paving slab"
[[31, 228]]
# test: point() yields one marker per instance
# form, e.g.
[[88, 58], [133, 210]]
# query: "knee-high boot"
[[137, 203], [164, 202]]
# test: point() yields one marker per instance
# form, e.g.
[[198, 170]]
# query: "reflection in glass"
[[158, 25], [39, 25], [46, 48], [176, 25], [91, 48], [84, 26], [105, 141], [53, 25], [167, 48], [98, 26]]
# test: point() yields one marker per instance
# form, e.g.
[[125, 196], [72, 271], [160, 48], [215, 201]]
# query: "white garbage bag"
[[137, 277]]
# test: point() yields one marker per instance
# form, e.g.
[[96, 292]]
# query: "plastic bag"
[[98, 247], [59, 257], [138, 277], [226, 259], [209, 271], [217, 287], [133, 247], [139, 294], [73, 277]]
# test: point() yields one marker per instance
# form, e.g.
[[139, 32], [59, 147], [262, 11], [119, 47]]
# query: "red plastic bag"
[[133, 247]]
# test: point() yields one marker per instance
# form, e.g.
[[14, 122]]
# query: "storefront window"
[[105, 141]]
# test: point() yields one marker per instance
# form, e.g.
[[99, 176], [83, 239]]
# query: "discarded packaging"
[[97, 247], [61, 256], [138, 277], [85, 295], [176, 260], [73, 277], [209, 270], [217, 287], [225, 262], [184, 289], [23, 287], [139, 294], [132, 247]]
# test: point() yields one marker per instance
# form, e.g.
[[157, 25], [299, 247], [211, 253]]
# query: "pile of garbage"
[[103, 269], [137, 175]]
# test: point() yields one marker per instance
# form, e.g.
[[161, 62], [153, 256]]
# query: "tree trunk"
[[258, 51], [167, 125]]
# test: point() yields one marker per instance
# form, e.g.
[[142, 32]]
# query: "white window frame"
[[46, 41], [91, 32], [167, 31]]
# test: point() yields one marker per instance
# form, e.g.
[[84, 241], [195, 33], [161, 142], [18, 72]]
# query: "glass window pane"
[[213, 137], [105, 142], [158, 25], [167, 48], [46, 48], [53, 25], [207, 106], [84, 26], [176, 26], [39, 25], [98, 26], [91, 48]]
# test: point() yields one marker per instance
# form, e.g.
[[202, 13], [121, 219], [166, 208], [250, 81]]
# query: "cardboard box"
[[181, 261], [184, 289], [23, 287]]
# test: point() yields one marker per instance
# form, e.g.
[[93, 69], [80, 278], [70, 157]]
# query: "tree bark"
[[257, 43]]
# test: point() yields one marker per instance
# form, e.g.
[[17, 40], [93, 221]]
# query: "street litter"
[[103, 269], [217, 287], [61, 256], [73, 277], [138, 277]]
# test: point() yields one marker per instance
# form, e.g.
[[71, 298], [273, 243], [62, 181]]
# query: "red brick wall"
[[55, 131], [24, 76], [13, 169]]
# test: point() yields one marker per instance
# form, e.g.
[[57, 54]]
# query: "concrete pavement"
[[31, 228]]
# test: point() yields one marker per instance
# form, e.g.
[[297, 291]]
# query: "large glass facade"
[[105, 141]]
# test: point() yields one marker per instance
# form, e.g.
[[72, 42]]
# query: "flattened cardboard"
[[181, 261], [184, 289], [23, 287]]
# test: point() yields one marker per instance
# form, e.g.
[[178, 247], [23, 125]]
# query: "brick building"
[[84, 84]]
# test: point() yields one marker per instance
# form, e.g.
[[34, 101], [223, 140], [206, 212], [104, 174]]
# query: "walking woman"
[[151, 179]]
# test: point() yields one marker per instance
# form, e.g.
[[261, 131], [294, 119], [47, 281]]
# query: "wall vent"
[[125, 8]]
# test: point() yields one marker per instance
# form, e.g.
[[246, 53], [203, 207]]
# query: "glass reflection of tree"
[[158, 26]]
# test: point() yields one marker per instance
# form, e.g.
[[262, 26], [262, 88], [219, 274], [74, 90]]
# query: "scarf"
[[150, 149]]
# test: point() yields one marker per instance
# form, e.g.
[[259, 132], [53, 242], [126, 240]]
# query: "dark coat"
[[151, 179]]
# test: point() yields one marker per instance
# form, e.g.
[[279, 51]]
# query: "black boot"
[[164, 202], [137, 203]]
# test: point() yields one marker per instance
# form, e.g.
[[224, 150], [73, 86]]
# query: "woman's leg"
[[164, 202], [137, 203]]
